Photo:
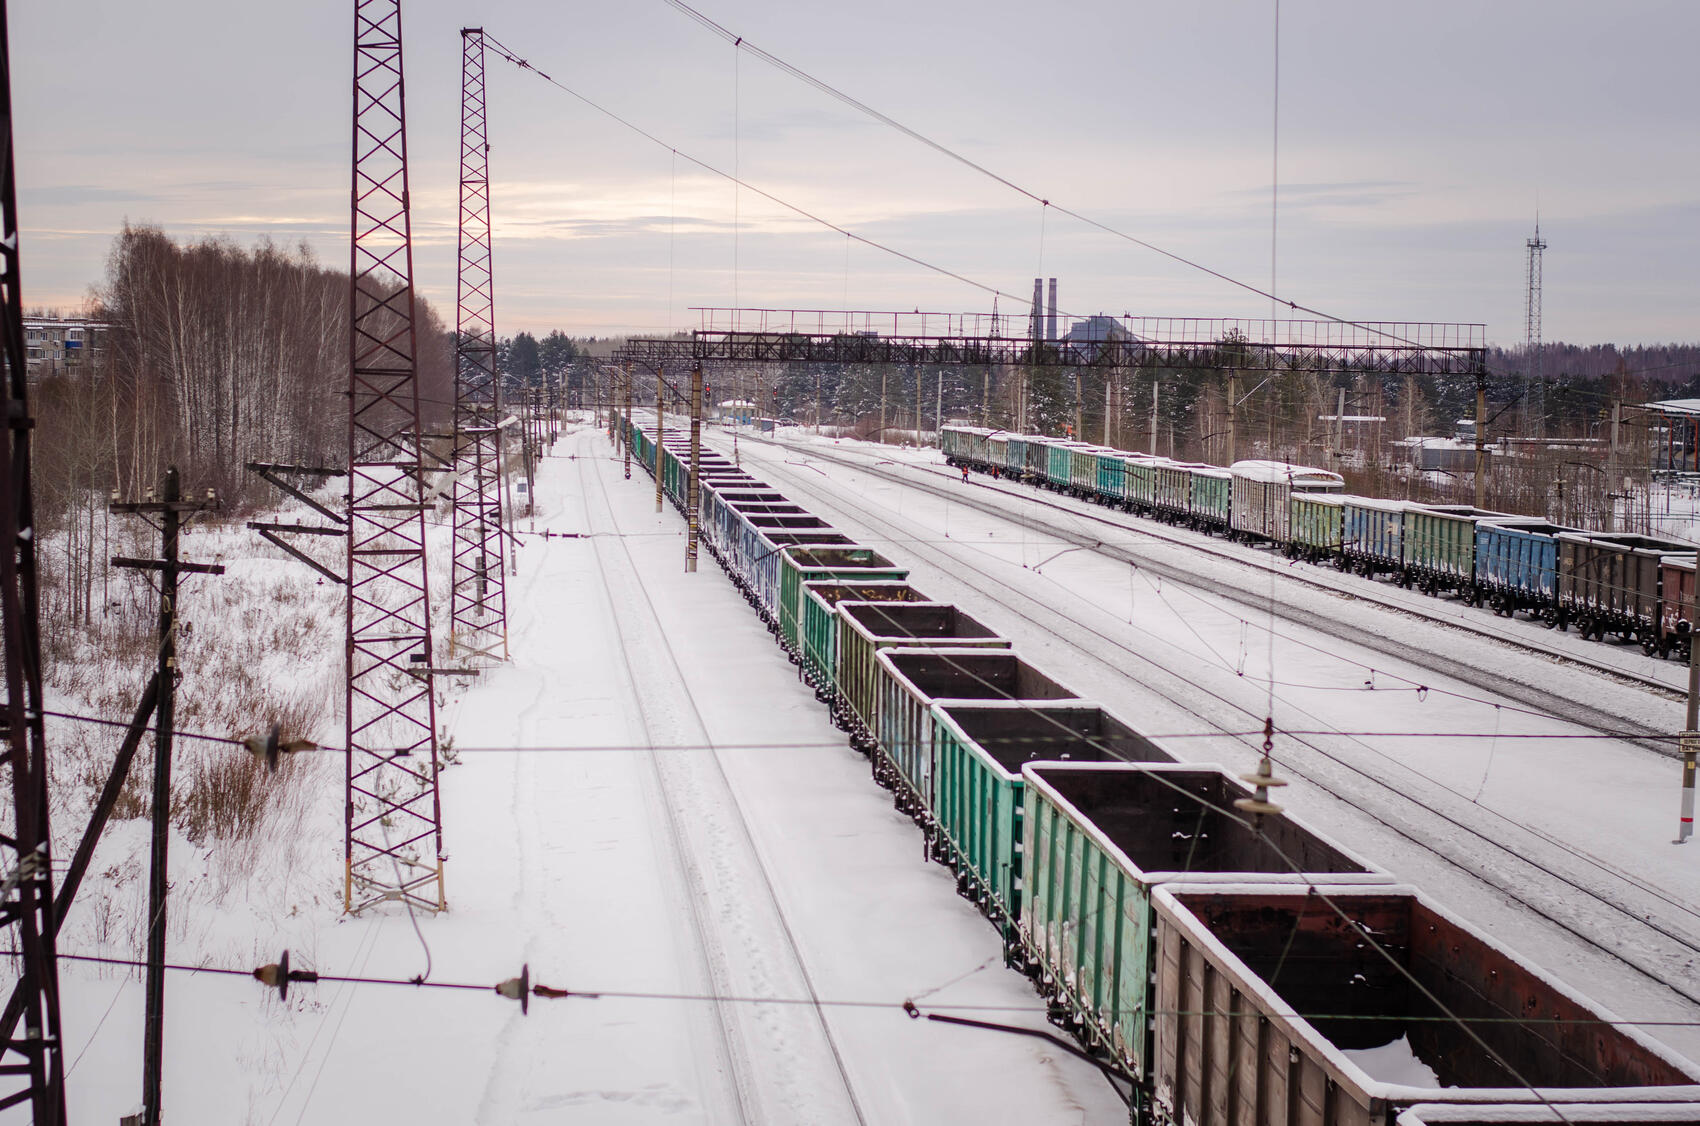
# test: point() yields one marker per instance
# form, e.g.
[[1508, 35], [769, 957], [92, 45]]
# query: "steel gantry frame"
[[394, 825], [31, 1064], [969, 339], [478, 614]]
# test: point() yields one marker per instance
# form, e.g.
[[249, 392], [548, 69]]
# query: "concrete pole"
[[938, 405], [1690, 737], [817, 403], [1481, 440], [1153, 418], [917, 372], [692, 491], [1109, 405], [1339, 428], [625, 434], [883, 370], [660, 409], [1233, 400]]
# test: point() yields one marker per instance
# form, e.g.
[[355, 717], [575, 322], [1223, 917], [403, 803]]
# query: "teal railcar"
[[1314, 526], [865, 628], [1211, 502], [976, 798], [1440, 545], [1099, 838], [798, 565], [820, 621], [911, 680]]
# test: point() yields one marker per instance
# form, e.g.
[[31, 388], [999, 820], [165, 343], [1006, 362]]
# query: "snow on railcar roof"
[[1257, 470]]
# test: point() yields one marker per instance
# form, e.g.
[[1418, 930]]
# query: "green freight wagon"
[[1173, 500], [1100, 838], [1440, 545], [979, 748], [911, 680], [1315, 526], [820, 621], [1140, 474], [864, 628], [798, 565], [1211, 502], [1059, 465]]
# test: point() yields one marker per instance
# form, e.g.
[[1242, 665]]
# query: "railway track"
[[709, 845], [1431, 829], [943, 484]]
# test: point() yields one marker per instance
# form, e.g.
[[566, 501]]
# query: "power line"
[[742, 43], [268, 975]]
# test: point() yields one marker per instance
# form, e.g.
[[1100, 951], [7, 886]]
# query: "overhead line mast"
[[478, 613], [32, 1065], [394, 827]]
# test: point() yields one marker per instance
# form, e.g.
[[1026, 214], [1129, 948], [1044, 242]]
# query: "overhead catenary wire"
[[903, 1005], [742, 43]]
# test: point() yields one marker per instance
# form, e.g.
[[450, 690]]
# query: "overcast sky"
[[1416, 141]]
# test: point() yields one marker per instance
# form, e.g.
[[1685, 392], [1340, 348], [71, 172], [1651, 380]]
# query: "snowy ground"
[[1555, 841], [754, 859]]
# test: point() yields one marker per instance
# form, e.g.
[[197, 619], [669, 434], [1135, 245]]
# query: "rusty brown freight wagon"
[[1292, 1008]]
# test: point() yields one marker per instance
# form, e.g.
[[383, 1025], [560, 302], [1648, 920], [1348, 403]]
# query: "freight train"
[[1635, 587], [1232, 970]]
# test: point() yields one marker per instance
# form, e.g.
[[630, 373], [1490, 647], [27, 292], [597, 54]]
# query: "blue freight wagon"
[[1372, 536], [1517, 567]]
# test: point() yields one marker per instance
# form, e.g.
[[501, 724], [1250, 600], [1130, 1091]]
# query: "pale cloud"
[[1412, 153]]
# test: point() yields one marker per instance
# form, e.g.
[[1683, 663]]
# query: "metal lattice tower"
[[478, 613], [394, 838], [31, 1064], [1534, 391]]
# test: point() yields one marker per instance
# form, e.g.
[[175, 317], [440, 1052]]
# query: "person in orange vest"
[[964, 474]]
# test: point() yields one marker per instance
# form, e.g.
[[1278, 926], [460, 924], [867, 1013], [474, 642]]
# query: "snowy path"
[[1560, 846]]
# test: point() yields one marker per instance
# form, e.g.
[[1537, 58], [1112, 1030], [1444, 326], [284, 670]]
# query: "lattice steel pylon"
[[394, 826], [478, 610], [1534, 386], [31, 1064]]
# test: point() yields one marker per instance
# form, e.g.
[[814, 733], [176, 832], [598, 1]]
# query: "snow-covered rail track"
[[781, 1063], [1610, 910], [980, 497]]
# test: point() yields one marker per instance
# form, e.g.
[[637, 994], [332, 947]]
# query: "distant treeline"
[[215, 356]]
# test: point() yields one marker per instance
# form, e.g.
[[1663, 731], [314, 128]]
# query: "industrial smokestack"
[[1035, 321], [1051, 315]]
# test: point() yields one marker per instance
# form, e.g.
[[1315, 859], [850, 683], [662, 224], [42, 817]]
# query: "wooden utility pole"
[[692, 493], [1481, 439], [171, 509]]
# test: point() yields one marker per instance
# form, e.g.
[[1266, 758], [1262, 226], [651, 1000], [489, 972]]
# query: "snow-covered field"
[[646, 804]]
